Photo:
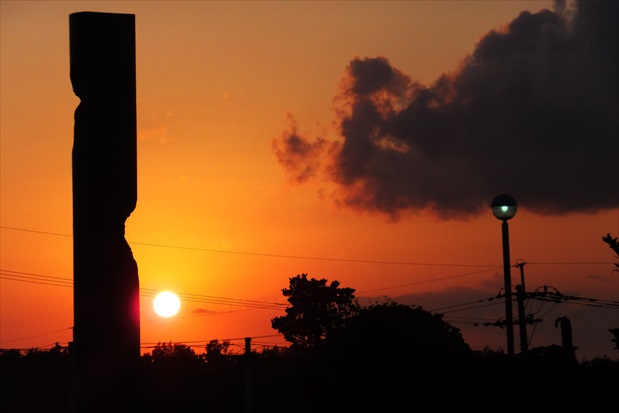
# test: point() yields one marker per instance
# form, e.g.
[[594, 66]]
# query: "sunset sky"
[[354, 141]]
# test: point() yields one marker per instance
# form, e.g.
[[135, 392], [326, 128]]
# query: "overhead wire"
[[37, 335], [198, 298], [250, 304], [430, 280], [470, 308], [463, 304], [35, 278], [387, 262]]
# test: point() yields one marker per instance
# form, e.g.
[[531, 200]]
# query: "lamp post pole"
[[504, 208], [509, 318]]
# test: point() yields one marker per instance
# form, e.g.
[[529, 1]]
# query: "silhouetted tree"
[[10, 355], [375, 331], [394, 355], [615, 333], [273, 352], [172, 351], [613, 243], [215, 351], [57, 352], [316, 310]]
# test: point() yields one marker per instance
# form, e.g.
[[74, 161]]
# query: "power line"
[[199, 298], [560, 298], [386, 262], [471, 308], [570, 263], [463, 304], [37, 335], [468, 320], [67, 282], [35, 278], [432, 280], [36, 232]]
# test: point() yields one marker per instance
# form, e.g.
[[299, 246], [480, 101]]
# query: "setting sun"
[[166, 304]]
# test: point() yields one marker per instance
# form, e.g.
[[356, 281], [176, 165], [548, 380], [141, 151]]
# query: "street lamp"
[[504, 208]]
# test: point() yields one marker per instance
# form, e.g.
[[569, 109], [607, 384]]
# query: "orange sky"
[[216, 214]]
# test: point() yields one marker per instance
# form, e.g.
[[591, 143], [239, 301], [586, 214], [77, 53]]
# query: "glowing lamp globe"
[[504, 207]]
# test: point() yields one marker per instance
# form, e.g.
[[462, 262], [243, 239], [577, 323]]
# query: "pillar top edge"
[[99, 14]]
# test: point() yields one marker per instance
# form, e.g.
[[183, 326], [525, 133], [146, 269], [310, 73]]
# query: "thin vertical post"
[[521, 266], [522, 321], [509, 319], [248, 374]]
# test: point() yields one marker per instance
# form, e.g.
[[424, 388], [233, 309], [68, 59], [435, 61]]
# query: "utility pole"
[[248, 386], [522, 321]]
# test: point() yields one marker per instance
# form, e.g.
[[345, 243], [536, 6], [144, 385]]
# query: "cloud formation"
[[532, 112], [203, 311]]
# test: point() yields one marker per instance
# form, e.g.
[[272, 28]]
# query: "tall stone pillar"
[[106, 287]]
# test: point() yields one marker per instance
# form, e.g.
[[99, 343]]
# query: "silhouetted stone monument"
[[106, 287]]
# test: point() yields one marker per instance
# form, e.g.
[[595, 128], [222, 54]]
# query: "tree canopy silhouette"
[[392, 330], [614, 245], [216, 351], [316, 310], [166, 352], [393, 355]]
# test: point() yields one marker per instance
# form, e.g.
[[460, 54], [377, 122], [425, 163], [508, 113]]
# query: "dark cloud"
[[532, 112], [300, 157], [203, 311]]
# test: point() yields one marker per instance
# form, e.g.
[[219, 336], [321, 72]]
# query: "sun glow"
[[166, 304]]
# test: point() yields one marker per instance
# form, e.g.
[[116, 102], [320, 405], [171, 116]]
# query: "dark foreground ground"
[[44, 382]]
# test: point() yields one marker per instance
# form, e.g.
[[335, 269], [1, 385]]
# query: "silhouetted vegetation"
[[36, 380], [613, 244], [343, 358], [316, 310]]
